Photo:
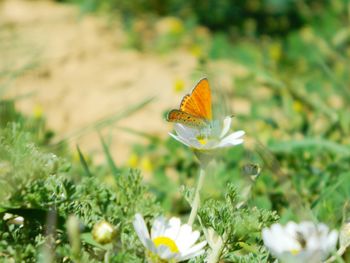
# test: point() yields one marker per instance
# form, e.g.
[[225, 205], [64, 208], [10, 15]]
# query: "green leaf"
[[316, 143], [87, 238], [248, 247]]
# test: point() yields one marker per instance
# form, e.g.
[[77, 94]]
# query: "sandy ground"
[[83, 73]]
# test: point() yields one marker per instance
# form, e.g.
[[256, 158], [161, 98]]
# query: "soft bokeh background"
[[77, 64], [118, 66]]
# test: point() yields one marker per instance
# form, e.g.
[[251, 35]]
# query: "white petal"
[[180, 139], [195, 250], [141, 229], [278, 240], [309, 228], [232, 139], [164, 252], [185, 132], [291, 228], [192, 255], [267, 236], [150, 246], [271, 240], [173, 228], [158, 227], [332, 240], [186, 237], [322, 229], [230, 143], [227, 124]]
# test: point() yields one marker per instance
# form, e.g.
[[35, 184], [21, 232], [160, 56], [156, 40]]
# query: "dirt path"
[[84, 73]]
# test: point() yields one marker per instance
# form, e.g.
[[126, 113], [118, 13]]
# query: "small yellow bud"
[[147, 165], [196, 51], [179, 85], [170, 25], [275, 51], [297, 106], [38, 111], [103, 232], [133, 160]]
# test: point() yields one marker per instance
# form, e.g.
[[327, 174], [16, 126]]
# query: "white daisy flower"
[[208, 138], [304, 242], [169, 241]]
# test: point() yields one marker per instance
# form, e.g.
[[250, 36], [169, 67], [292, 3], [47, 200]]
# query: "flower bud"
[[103, 232]]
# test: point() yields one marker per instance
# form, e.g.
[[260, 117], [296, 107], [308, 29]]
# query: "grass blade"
[[109, 120], [139, 133], [115, 170], [84, 163]]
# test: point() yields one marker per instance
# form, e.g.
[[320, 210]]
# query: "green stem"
[[215, 253], [338, 254], [106, 258], [196, 200]]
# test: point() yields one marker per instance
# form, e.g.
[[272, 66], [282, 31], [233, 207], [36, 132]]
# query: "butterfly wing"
[[185, 118], [198, 103]]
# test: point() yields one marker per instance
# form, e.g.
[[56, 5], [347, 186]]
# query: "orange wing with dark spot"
[[198, 103], [186, 119]]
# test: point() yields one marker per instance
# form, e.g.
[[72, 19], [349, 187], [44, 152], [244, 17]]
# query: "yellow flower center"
[[202, 141], [295, 252], [38, 111], [165, 241]]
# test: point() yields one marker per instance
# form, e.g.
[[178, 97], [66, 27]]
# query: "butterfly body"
[[195, 108]]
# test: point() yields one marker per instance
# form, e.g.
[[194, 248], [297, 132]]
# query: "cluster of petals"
[[209, 138], [168, 240], [303, 242]]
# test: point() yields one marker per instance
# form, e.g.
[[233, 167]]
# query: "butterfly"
[[195, 108]]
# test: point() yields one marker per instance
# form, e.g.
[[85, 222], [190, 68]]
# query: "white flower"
[[209, 138], [304, 242], [169, 241], [13, 219]]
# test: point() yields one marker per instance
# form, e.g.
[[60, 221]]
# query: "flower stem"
[[338, 254], [215, 253], [196, 200]]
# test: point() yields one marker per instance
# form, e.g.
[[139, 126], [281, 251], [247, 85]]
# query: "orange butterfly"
[[195, 108]]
